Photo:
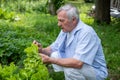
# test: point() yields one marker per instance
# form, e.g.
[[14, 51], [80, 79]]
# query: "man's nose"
[[59, 24]]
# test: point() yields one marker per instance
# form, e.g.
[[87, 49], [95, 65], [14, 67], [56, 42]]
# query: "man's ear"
[[74, 19]]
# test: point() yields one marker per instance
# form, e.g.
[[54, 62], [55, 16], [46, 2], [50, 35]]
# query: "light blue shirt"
[[83, 45]]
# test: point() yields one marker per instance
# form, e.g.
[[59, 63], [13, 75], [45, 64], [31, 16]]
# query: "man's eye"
[[61, 20]]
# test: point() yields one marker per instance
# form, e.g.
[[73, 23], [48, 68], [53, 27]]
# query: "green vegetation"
[[32, 70], [19, 27]]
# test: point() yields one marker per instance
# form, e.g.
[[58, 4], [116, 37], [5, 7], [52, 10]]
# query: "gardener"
[[77, 50]]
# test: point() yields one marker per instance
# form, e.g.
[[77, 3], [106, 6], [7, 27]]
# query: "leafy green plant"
[[4, 14], [7, 71], [11, 44], [33, 68]]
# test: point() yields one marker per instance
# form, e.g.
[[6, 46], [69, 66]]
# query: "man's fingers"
[[34, 42], [42, 54], [45, 58], [38, 44]]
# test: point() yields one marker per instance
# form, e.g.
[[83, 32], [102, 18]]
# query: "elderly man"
[[77, 50]]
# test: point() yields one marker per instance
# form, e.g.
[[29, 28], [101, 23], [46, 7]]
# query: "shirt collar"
[[77, 28]]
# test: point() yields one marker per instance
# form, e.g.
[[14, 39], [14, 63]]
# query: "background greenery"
[[23, 21]]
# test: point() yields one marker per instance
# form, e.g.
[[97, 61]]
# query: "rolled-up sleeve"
[[86, 48], [53, 46], [56, 44]]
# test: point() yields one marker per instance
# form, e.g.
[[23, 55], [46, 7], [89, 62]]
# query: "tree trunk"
[[51, 7], [102, 11]]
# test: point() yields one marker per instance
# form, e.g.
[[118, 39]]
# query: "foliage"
[[58, 3], [57, 75], [33, 68], [89, 1], [24, 5], [4, 14], [17, 35], [11, 44]]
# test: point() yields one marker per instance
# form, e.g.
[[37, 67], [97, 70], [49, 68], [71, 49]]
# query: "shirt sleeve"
[[55, 45], [86, 48]]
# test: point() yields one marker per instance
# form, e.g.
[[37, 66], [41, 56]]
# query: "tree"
[[102, 11], [53, 5]]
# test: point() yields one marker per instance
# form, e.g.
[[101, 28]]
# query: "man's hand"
[[39, 46], [45, 58]]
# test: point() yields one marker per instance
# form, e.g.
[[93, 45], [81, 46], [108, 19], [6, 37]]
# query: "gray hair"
[[70, 10]]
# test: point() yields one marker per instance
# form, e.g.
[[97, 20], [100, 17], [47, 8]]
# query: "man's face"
[[63, 22]]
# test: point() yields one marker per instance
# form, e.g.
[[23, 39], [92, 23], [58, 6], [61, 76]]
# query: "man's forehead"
[[62, 14]]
